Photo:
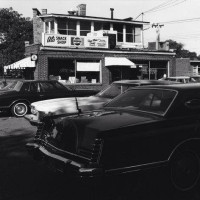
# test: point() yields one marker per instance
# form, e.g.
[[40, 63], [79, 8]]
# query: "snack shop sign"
[[55, 40]]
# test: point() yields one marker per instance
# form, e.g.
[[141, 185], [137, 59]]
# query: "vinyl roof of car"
[[179, 77], [146, 82], [178, 87], [38, 80]]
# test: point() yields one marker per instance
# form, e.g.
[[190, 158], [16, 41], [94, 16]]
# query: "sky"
[[181, 18]]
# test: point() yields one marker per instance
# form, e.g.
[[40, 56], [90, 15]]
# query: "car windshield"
[[113, 90], [148, 100], [16, 85]]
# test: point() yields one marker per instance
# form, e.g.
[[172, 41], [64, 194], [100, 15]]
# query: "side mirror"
[[194, 103]]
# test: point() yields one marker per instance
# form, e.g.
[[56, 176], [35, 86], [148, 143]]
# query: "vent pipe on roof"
[[111, 9]]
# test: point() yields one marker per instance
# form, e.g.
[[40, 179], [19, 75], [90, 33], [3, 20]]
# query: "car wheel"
[[19, 109], [185, 170]]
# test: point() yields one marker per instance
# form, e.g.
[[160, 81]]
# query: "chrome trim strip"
[[62, 151], [57, 157], [137, 167]]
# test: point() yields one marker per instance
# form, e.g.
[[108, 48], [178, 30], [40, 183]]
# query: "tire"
[[185, 170], [19, 109]]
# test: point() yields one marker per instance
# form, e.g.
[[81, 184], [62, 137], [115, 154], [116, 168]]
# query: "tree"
[[16, 30], [180, 51]]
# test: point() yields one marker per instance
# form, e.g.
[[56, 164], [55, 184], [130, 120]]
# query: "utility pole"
[[158, 27]]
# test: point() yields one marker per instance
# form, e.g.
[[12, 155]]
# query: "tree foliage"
[[17, 30], [180, 51]]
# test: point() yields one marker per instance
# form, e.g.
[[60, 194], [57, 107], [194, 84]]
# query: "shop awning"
[[26, 62], [119, 61]]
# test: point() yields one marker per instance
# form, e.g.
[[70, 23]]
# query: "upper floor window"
[[62, 27], [51, 26], [85, 27], [119, 29], [106, 26], [46, 27], [129, 33], [71, 25], [138, 33], [97, 26]]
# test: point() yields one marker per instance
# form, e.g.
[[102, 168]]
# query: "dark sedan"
[[17, 97], [144, 128]]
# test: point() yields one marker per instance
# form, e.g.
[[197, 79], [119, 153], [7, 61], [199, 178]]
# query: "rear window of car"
[[51, 86], [148, 100]]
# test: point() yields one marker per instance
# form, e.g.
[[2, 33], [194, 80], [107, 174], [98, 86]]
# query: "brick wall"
[[183, 67], [37, 27]]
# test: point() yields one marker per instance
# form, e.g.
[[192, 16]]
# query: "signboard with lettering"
[[58, 40], [97, 42], [55, 40]]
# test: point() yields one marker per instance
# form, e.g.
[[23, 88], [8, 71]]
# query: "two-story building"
[[90, 51]]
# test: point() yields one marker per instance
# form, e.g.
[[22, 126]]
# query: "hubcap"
[[20, 109], [185, 170]]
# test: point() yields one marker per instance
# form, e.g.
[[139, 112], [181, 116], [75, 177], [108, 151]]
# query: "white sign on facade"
[[55, 40]]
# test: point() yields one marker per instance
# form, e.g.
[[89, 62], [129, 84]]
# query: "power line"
[[161, 6], [181, 21], [166, 6]]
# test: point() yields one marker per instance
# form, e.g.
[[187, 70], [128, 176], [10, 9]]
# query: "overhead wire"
[[166, 6]]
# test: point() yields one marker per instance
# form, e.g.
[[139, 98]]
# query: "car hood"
[[68, 105], [104, 120]]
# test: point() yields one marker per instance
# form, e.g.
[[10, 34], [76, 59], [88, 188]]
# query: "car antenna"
[[76, 100], [77, 106]]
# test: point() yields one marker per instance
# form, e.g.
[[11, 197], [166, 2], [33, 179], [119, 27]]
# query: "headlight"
[[33, 110]]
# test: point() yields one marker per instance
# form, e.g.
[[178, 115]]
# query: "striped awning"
[[119, 61], [26, 62]]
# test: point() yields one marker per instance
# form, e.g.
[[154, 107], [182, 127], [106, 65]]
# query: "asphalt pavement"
[[22, 178]]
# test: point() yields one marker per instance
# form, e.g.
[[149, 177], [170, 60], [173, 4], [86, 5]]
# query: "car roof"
[[178, 87], [37, 80], [145, 82], [179, 77]]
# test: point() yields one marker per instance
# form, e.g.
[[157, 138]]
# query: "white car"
[[74, 105]]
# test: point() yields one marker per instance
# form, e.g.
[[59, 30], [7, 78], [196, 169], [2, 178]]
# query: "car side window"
[[25, 87], [33, 87], [47, 87]]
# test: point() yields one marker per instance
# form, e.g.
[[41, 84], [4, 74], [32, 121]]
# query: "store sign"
[[98, 42], [77, 41], [55, 40]]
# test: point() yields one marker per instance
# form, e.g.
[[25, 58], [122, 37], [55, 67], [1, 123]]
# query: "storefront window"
[[75, 71], [87, 72]]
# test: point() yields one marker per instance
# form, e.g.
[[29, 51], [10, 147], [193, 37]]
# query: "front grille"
[[94, 153], [39, 131]]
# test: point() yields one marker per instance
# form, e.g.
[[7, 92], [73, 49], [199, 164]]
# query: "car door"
[[29, 91], [51, 90]]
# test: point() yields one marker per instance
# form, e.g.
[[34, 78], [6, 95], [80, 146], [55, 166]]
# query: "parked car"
[[17, 96], [73, 105], [144, 128], [181, 79], [195, 78]]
